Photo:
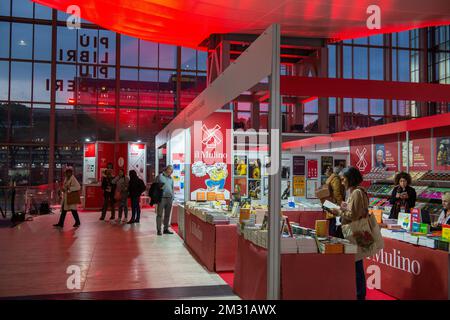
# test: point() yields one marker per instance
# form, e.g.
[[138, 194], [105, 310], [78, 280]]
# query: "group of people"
[[346, 192], [117, 190]]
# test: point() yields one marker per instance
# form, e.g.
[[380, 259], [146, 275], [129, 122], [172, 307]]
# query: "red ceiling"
[[189, 22]]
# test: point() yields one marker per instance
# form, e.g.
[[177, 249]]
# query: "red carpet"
[[372, 294]]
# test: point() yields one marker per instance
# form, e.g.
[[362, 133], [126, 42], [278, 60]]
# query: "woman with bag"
[[71, 197], [121, 194], [358, 226]]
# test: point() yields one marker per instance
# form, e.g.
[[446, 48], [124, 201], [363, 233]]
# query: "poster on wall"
[[285, 169], [137, 159], [240, 166], [298, 165], [380, 156], [178, 174], [312, 166], [241, 185], [299, 186], [327, 162], [254, 169], [89, 164], [211, 163], [442, 153], [254, 189], [419, 151], [311, 187]]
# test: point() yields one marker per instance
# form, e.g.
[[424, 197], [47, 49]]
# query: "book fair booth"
[[99, 156], [237, 213]]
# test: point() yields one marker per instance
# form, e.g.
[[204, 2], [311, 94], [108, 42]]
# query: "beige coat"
[[357, 206], [72, 185]]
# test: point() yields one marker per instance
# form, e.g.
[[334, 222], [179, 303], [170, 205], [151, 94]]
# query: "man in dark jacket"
[[135, 188], [108, 194]]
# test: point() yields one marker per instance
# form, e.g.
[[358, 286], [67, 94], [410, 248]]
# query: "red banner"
[[89, 150], [361, 154], [313, 169], [419, 151], [211, 155]]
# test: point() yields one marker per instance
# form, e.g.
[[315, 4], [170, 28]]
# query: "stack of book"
[[261, 238], [306, 244], [288, 245], [329, 246]]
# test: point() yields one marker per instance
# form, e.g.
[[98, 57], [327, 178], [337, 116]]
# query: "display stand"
[[214, 245], [303, 276], [411, 272]]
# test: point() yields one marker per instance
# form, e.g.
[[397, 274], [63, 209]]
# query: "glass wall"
[[107, 87]]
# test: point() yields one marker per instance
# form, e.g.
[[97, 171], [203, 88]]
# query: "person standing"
[[354, 209], [135, 188], [165, 205], [337, 194], [70, 185], [444, 217], [121, 194], [403, 196], [108, 195]]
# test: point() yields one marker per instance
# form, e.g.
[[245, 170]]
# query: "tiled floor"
[[128, 259]]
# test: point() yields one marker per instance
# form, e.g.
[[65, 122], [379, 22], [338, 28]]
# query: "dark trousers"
[[332, 227], [360, 280], [135, 209], [108, 200], [166, 206], [63, 217]]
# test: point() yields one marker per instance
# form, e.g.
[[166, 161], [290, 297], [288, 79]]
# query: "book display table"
[[304, 218], [308, 276], [214, 245], [409, 271]]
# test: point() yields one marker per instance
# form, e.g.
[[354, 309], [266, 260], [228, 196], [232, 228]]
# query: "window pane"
[[244, 106], [128, 87], [65, 83], [332, 61], [311, 123], [87, 50], [129, 51], [128, 119], [4, 77], [377, 107], [106, 123], [202, 60], [312, 106], [20, 122], [22, 41], [89, 120], [403, 39], [148, 88], [107, 47], [360, 63], [66, 45], [41, 120], [376, 64], [42, 42], [5, 8], [42, 12], [148, 54], [22, 8], [20, 81], [41, 85], [348, 105], [188, 59], [4, 34], [360, 40], [167, 56], [376, 40], [360, 106], [166, 96], [347, 62], [404, 73], [332, 105]]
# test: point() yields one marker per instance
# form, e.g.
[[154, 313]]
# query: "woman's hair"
[[133, 174], [402, 175], [446, 196], [353, 176]]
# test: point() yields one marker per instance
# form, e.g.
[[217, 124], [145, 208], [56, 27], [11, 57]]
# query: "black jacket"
[[107, 183], [136, 187], [155, 193], [397, 203]]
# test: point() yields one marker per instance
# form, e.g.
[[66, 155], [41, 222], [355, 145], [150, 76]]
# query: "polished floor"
[[116, 261]]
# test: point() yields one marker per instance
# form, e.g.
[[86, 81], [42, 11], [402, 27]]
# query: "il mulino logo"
[[394, 259]]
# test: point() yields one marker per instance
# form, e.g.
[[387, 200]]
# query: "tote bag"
[[73, 198]]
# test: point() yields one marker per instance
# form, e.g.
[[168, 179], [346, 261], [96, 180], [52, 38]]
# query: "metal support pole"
[[52, 125], [273, 260], [407, 151]]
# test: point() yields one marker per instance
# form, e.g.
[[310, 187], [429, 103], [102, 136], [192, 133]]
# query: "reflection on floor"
[[114, 261]]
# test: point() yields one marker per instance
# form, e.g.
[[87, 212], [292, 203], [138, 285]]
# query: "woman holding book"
[[403, 196], [355, 208]]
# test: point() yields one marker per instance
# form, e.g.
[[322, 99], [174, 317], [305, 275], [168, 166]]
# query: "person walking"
[[108, 195], [354, 209], [70, 185], [121, 194], [135, 188], [165, 205]]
